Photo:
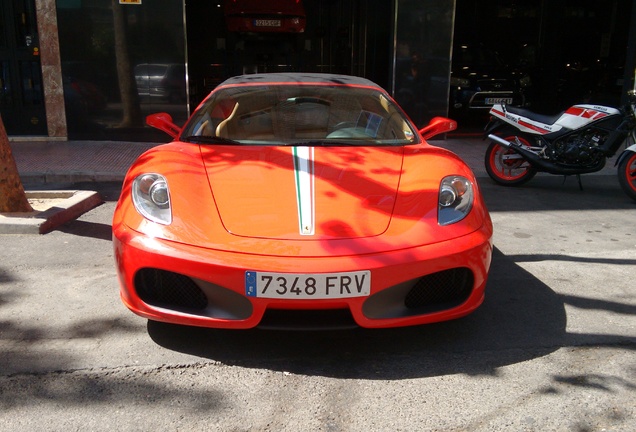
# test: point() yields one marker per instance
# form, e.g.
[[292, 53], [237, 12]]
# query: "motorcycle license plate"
[[492, 101]]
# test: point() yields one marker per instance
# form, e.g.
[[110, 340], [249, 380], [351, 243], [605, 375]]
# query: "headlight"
[[455, 199], [459, 82], [151, 198]]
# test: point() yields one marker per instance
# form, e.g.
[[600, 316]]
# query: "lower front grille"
[[178, 292], [329, 319], [169, 290], [436, 292], [444, 289]]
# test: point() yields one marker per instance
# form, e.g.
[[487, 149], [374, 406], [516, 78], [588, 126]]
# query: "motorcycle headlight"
[[151, 198], [455, 199]]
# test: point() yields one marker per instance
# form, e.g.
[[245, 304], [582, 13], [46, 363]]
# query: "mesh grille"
[[169, 290], [448, 288], [307, 319]]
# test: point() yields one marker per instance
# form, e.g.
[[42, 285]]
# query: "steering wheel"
[[344, 124]]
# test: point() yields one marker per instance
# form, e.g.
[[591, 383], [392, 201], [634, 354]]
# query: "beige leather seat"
[[227, 128]]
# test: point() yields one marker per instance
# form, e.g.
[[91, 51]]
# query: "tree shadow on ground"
[[548, 192]]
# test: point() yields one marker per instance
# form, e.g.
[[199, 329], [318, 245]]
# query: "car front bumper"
[[172, 282]]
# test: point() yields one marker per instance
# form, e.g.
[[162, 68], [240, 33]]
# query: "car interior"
[[276, 116]]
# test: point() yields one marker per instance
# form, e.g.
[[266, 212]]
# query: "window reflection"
[[25, 23], [5, 86], [31, 82], [422, 68]]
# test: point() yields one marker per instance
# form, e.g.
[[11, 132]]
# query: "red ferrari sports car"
[[301, 200]]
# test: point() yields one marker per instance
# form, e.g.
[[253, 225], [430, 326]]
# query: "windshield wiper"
[[210, 140]]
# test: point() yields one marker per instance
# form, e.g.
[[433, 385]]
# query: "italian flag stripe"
[[305, 197]]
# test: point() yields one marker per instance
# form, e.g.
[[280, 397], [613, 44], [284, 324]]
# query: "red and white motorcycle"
[[577, 141]]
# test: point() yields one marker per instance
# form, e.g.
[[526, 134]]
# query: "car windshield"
[[299, 115]]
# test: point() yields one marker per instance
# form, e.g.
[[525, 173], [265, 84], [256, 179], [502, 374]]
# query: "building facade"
[[93, 69]]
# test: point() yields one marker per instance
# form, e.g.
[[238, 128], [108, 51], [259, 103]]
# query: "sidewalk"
[[59, 162], [46, 162]]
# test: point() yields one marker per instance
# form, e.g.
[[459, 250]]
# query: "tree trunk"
[[12, 196], [127, 84]]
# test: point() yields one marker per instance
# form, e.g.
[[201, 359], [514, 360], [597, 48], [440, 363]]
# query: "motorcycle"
[[574, 142]]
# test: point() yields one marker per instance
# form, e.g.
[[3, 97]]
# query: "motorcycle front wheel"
[[627, 175], [507, 167]]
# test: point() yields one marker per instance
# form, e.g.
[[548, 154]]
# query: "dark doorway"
[[21, 91]]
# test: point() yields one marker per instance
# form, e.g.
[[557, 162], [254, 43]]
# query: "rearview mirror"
[[436, 126], [163, 122]]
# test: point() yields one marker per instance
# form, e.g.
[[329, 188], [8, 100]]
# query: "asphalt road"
[[551, 349]]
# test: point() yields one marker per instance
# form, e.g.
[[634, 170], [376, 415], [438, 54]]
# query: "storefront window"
[[106, 49], [31, 83], [121, 62], [423, 38], [21, 89]]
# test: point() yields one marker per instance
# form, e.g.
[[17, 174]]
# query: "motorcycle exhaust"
[[499, 140]]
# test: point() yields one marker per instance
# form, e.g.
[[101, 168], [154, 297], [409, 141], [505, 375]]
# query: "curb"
[[70, 177], [73, 204]]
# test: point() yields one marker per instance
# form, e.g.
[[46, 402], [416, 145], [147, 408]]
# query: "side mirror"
[[436, 126], [163, 122]]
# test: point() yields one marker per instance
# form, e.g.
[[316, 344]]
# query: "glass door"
[[21, 91]]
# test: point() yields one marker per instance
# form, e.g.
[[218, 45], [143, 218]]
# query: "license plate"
[[492, 101], [266, 23], [308, 286]]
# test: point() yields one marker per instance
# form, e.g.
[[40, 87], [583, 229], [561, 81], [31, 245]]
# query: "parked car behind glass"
[[480, 79], [278, 16], [160, 82]]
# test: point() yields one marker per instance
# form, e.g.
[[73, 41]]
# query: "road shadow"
[[553, 193], [521, 319], [83, 228]]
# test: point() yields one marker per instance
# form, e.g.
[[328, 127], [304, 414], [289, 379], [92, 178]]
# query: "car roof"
[[298, 77]]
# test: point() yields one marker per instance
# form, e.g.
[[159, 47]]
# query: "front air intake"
[[169, 290], [432, 293], [441, 290]]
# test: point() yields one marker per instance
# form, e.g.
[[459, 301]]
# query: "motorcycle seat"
[[542, 118]]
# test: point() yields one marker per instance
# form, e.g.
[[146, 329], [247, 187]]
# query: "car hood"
[[303, 192]]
